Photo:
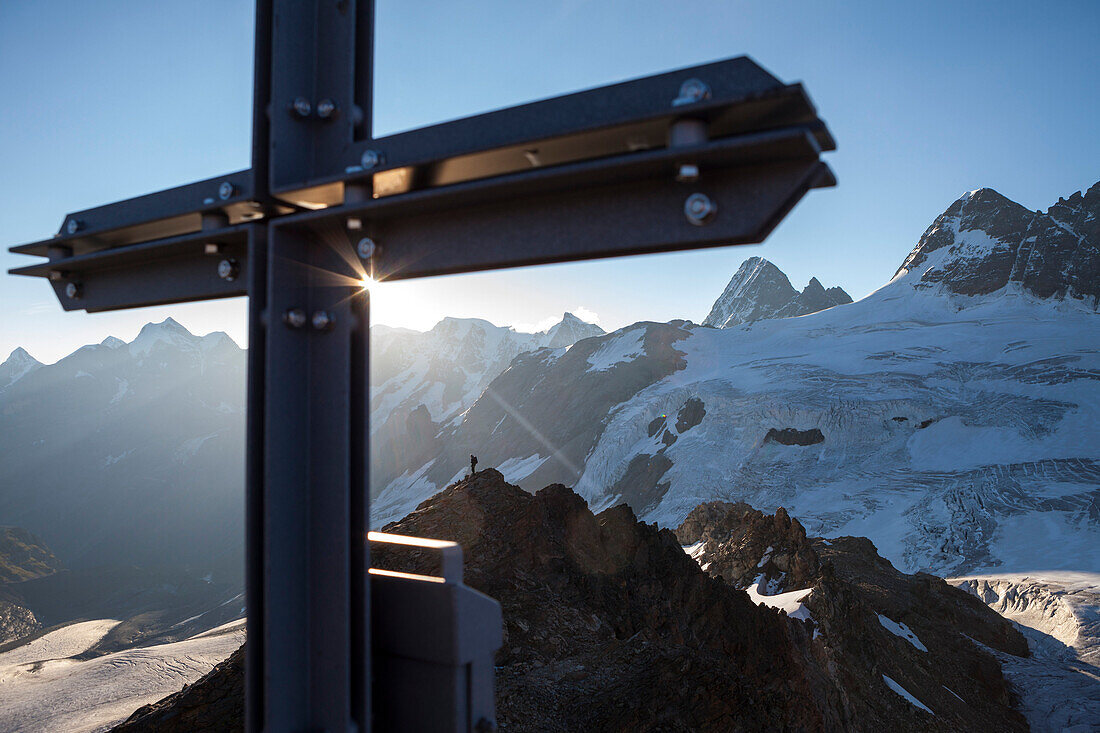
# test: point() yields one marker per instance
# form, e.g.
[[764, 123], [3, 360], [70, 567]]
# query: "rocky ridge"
[[984, 242], [610, 625], [874, 622]]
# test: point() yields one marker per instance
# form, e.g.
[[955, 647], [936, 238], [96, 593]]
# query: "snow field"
[[42, 691]]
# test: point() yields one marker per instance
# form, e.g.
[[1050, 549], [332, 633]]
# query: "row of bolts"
[[699, 209]]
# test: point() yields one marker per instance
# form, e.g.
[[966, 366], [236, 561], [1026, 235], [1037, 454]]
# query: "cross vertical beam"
[[315, 597], [308, 659]]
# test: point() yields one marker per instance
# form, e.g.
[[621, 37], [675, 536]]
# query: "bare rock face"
[[610, 626], [23, 556], [793, 436], [875, 627], [741, 543], [984, 241]]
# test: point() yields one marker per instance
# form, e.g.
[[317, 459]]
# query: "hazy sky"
[[114, 98]]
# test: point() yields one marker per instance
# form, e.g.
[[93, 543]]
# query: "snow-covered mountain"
[[118, 452], [984, 243], [761, 290], [18, 365], [133, 452], [422, 383], [950, 416]]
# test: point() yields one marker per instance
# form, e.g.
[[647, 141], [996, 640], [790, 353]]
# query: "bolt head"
[[691, 91], [371, 159], [73, 291], [295, 318], [301, 107], [700, 209], [72, 226], [229, 269], [226, 190], [326, 108], [323, 321], [687, 173], [366, 248]]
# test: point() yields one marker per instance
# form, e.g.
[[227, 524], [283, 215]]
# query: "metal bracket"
[[434, 642]]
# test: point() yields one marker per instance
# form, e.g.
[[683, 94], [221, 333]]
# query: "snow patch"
[[46, 688], [517, 469], [901, 630], [123, 388], [619, 348], [791, 601], [905, 693], [695, 552], [112, 460], [192, 446], [65, 642]]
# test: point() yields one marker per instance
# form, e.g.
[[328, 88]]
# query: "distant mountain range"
[[132, 453], [934, 415]]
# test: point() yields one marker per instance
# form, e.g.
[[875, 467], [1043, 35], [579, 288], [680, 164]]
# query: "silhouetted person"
[[473, 464]]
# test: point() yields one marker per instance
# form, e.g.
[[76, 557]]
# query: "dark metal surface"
[[435, 644], [312, 43], [255, 460], [630, 116], [171, 270], [314, 488], [157, 215]]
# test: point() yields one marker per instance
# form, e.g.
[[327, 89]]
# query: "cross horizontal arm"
[[734, 96], [599, 173]]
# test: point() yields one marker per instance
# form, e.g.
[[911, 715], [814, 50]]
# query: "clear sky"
[[110, 99]]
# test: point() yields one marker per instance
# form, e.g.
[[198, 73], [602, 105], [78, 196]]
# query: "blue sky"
[[928, 100]]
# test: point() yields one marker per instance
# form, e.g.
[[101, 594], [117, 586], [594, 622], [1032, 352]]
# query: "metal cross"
[[706, 156]]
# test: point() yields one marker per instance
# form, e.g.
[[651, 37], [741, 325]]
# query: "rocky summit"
[[610, 625], [984, 242], [761, 290]]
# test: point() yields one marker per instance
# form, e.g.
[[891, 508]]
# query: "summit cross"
[[705, 156]]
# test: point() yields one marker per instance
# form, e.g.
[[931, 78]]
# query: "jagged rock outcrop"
[[16, 621], [761, 290], [878, 628], [985, 241], [794, 436], [610, 626]]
